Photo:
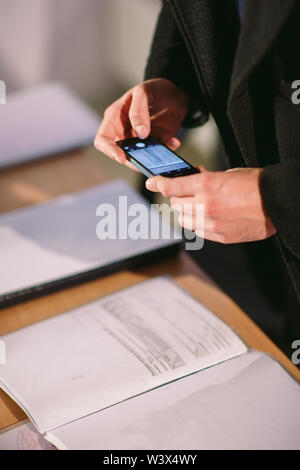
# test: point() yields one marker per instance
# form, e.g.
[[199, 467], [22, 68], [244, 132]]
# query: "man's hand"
[[233, 208], [157, 105]]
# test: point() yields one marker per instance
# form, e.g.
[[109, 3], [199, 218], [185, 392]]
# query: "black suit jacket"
[[242, 75]]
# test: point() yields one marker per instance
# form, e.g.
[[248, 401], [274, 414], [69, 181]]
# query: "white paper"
[[57, 239], [42, 121], [249, 402], [120, 346]]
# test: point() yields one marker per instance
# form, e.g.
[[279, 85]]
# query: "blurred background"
[[98, 48]]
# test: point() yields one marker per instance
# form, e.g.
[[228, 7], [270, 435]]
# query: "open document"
[[91, 358], [133, 370]]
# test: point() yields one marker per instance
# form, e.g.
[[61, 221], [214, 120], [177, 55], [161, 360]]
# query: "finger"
[[163, 134], [173, 143], [201, 168], [205, 228], [131, 166], [231, 170], [115, 124], [194, 222], [187, 202], [110, 148], [139, 112], [201, 229], [172, 187], [113, 128], [186, 221], [214, 237]]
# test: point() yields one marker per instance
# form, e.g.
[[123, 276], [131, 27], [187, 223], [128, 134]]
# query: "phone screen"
[[155, 157]]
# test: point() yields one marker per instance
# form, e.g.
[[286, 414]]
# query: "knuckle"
[[166, 192], [206, 180], [136, 88], [215, 206], [139, 89], [225, 238], [165, 188], [97, 142], [112, 109], [212, 208], [108, 111], [210, 181], [209, 207], [136, 114], [176, 186]]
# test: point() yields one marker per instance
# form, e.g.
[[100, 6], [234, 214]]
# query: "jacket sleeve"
[[169, 58], [280, 187]]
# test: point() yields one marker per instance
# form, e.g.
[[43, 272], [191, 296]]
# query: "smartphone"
[[153, 158]]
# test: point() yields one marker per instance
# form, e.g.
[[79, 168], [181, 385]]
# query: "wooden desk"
[[39, 181]]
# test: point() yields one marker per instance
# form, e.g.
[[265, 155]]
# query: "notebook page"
[[249, 402], [120, 346]]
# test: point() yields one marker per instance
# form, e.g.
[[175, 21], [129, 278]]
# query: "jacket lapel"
[[225, 54], [261, 23], [211, 46]]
